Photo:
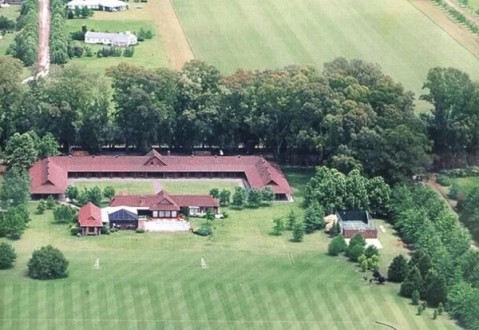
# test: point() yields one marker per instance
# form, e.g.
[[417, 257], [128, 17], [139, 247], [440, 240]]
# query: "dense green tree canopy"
[[47, 263]]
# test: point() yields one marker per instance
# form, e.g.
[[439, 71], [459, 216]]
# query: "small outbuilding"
[[353, 222], [89, 219]]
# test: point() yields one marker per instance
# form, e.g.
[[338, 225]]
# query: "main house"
[[122, 39], [160, 212], [49, 176]]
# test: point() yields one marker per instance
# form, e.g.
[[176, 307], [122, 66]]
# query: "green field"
[[125, 187], [466, 184], [154, 281], [148, 53], [252, 34], [199, 187]]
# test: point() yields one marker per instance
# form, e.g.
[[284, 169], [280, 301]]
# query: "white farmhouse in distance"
[[122, 39], [105, 5]]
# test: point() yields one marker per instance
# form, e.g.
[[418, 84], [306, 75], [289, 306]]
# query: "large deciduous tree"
[[453, 123], [144, 104], [15, 189], [21, 151]]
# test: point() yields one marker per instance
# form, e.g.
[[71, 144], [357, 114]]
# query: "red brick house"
[[89, 219], [50, 176]]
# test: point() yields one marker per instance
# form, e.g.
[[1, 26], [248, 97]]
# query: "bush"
[[41, 207], [215, 193], [337, 245], [64, 214], [105, 230], [74, 230], [140, 230], [47, 263], [453, 192], [278, 227], [50, 202], [205, 230], [298, 232], [225, 197], [370, 251], [7, 255], [397, 270], [355, 252], [444, 180]]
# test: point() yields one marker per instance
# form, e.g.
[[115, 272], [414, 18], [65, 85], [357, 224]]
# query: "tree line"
[[443, 270], [349, 116], [25, 45], [59, 37]]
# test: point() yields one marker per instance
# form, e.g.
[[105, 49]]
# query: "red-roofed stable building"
[[89, 219], [50, 176]]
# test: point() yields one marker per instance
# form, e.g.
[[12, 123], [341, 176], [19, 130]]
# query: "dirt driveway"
[[177, 47]]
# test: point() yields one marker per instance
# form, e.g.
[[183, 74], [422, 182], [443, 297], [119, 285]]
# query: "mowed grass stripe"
[[351, 306], [230, 305], [244, 300], [280, 306], [320, 306], [51, 305]]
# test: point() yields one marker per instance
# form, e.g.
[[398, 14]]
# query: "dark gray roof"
[[122, 215], [356, 216]]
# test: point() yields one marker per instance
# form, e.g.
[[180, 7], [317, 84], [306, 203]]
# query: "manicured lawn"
[[253, 281], [232, 34], [200, 187], [125, 187], [149, 53]]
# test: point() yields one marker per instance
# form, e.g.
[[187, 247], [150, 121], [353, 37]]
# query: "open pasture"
[[250, 34], [253, 280]]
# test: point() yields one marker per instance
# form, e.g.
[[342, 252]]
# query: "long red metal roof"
[[49, 176]]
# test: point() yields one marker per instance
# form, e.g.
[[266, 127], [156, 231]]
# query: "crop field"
[[232, 34], [253, 280], [149, 53]]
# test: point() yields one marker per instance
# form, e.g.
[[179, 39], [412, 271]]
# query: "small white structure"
[[105, 5], [122, 39]]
